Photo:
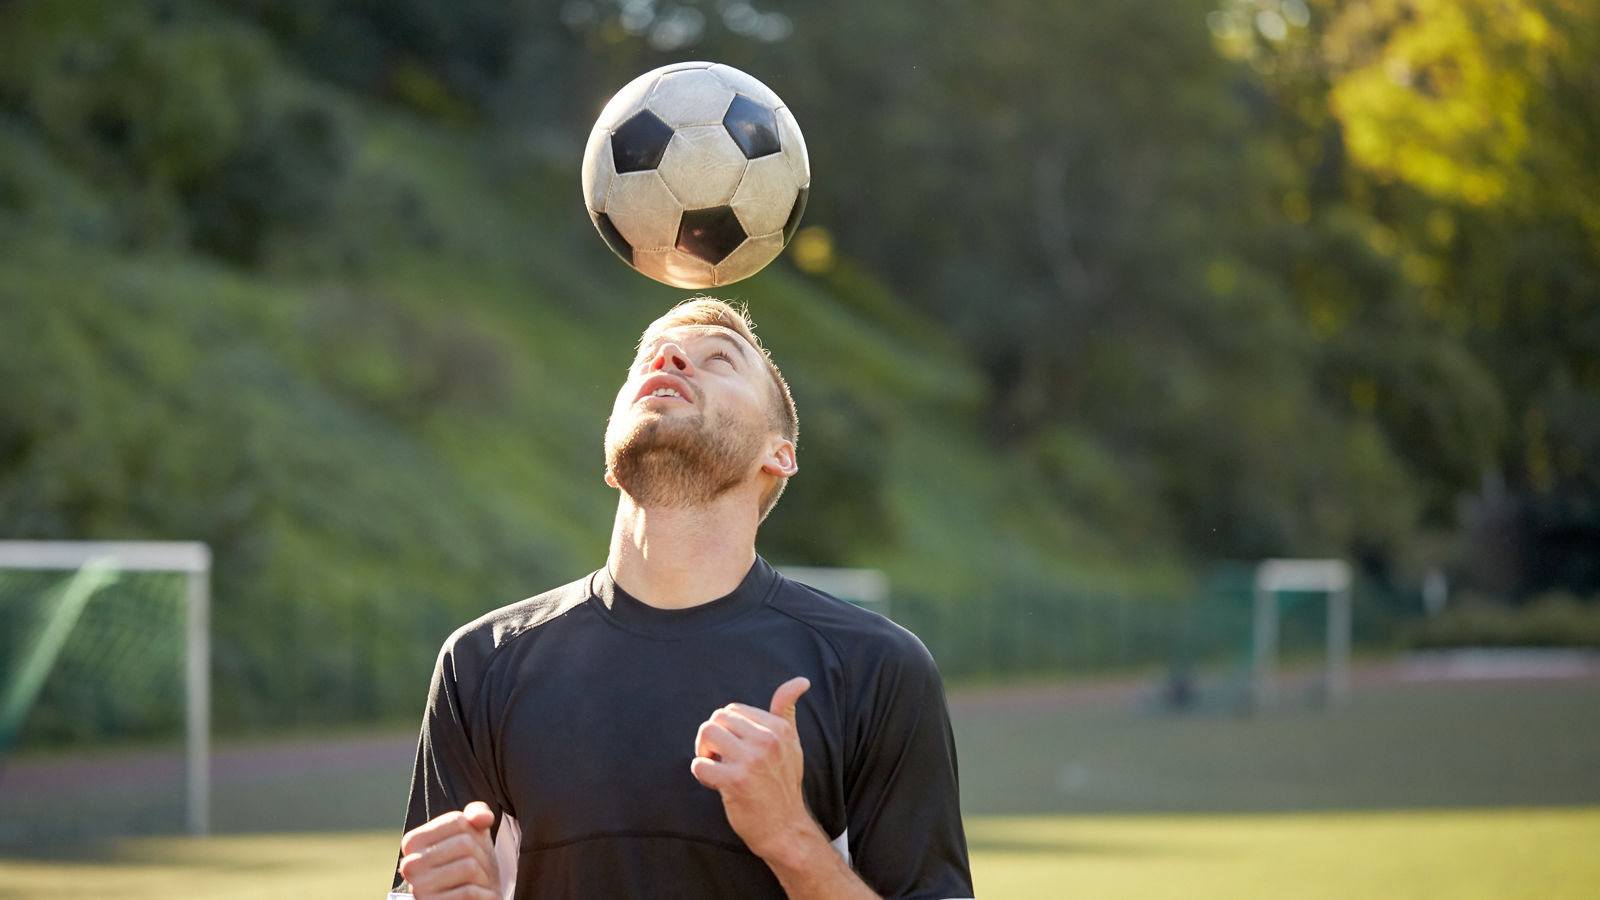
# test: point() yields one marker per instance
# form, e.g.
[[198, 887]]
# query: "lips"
[[668, 387]]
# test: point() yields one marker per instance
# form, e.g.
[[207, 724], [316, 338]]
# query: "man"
[[686, 722]]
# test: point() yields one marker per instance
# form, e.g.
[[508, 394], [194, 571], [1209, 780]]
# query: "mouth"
[[666, 388]]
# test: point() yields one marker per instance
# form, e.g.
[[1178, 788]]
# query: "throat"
[[679, 558]]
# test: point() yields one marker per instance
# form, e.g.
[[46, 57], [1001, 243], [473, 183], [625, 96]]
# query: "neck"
[[675, 558]]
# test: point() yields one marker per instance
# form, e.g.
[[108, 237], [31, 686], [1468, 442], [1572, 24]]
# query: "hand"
[[753, 758], [452, 857]]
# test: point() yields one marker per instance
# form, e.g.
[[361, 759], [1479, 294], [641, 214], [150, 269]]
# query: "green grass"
[[1508, 853], [1534, 853], [1411, 790]]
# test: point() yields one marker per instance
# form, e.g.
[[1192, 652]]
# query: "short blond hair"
[[710, 311]]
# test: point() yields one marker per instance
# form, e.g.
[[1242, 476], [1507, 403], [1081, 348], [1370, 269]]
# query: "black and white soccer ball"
[[696, 174]]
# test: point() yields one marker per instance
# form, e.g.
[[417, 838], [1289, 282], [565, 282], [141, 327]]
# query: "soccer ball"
[[696, 174]]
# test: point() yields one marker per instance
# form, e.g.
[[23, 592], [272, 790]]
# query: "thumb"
[[787, 694], [479, 815]]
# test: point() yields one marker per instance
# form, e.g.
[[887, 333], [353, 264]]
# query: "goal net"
[[105, 694], [1248, 618]]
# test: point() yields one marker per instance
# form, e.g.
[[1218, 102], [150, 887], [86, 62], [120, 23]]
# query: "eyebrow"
[[737, 343]]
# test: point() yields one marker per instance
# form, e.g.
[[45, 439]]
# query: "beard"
[[681, 461]]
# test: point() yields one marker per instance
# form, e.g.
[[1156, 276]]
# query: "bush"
[[1556, 619]]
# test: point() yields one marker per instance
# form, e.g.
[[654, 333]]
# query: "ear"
[[611, 479], [780, 461]]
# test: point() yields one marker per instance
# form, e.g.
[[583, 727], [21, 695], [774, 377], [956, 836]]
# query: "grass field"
[[1412, 790], [1546, 854]]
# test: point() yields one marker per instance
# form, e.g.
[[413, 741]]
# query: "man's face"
[[693, 419]]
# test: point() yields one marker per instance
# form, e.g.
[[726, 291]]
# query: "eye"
[[722, 355]]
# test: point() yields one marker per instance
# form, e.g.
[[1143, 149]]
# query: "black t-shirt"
[[573, 716]]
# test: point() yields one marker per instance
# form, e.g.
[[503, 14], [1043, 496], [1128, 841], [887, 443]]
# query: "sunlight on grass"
[[1543, 853], [238, 867]]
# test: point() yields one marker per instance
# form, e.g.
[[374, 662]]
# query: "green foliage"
[[1111, 296], [1550, 620], [178, 116]]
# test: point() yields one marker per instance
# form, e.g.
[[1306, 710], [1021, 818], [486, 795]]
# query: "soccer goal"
[[102, 644], [1327, 577]]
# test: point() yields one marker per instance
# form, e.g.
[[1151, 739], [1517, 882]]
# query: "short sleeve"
[[455, 759], [903, 804]]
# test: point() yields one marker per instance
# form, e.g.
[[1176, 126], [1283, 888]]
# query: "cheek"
[[624, 394]]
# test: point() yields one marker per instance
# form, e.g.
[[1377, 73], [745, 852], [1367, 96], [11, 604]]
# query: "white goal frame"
[[192, 559], [1332, 578]]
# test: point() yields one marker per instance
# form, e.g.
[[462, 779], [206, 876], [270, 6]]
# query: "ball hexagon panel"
[[702, 166], [598, 169], [676, 268], [643, 210], [640, 142], [794, 146], [626, 102], [746, 84], [689, 97], [749, 258], [753, 127], [710, 234], [766, 195]]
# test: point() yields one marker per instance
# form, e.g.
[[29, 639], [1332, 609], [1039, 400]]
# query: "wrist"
[[796, 848]]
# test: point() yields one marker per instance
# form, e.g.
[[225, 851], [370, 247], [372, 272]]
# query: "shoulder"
[[862, 638], [473, 645]]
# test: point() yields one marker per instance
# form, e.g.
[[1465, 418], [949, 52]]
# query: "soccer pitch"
[[1412, 790], [1533, 853]]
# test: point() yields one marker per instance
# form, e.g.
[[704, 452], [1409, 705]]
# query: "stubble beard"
[[679, 462]]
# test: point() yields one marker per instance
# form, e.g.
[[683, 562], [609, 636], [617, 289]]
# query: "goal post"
[[1329, 577], [98, 562]]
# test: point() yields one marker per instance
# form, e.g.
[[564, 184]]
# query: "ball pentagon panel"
[[799, 210], [710, 234], [754, 127], [613, 238], [640, 142]]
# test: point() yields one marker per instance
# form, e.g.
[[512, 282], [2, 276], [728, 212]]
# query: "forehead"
[[692, 335]]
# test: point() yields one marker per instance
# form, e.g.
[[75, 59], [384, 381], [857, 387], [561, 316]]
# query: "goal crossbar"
[[1330, 577]]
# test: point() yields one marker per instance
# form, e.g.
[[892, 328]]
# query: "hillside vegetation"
[[312, 282]]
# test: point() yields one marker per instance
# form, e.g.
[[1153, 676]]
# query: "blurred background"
[[1094, 307]]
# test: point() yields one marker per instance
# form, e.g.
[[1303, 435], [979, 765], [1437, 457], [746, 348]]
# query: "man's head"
[[704, 409]]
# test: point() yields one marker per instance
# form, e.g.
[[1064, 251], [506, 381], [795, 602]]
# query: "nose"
[[670, 357]]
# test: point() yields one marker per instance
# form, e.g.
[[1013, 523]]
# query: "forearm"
[[810, 869]]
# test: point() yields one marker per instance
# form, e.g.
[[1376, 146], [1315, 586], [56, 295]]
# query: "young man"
[[687, 722]]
